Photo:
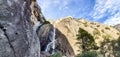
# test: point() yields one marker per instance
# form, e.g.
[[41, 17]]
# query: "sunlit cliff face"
[[70, 26]]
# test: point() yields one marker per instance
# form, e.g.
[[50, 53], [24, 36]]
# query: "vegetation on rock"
[[56, 55], [107, 28], [96, 32], [102, 30], [88, 54], [85, 24], [86, 40], [46, 22]]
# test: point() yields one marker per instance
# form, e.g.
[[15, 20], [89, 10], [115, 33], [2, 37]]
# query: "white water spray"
[[52, 43], [53, 46]]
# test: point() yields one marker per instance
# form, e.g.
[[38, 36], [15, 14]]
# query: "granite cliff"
[[24, 31], [17, 38]]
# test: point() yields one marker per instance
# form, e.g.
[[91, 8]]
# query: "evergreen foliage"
[[56, 55], [88, 54], [86, 40]]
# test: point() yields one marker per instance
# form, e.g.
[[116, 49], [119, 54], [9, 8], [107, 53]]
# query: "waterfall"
[[52, 43], [53, 46]]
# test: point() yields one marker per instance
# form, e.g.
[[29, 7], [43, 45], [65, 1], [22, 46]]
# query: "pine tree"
[[86, 40]]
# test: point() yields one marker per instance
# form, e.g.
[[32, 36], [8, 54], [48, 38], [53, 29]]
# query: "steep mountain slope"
[[70, 26]]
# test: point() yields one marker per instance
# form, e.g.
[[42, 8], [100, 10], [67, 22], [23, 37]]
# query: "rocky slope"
[[117, 27], [22, 29], [69, 28]]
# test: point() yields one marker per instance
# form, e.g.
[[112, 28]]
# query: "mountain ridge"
[[70, 26]]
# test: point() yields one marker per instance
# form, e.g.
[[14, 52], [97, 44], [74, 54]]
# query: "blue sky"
[[103, 11]]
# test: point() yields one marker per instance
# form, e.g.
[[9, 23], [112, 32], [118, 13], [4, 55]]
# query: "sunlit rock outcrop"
[[69, 27]]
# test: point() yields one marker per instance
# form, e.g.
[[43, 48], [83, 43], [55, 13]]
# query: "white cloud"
[[113, 20], [104, 7], [53, 9], [48, 4]]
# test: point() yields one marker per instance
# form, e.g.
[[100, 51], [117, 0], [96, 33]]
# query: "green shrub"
[[117, 53], [107, 36], [118, 41], [118, 33], [93, 23], [107, 28], [96, 37], [96, 32], [85, 24], [68, 30], [88, 54], [56, 55], [98, 25], [102, 30], [86, 40], [46, 22], [91, 26]]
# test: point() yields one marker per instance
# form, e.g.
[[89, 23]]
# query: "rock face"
[[17, 38], [63, 46], [45, 33], [23, 29], [117, 27]]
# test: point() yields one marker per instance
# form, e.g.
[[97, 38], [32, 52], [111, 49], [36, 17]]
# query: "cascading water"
[[53, 46], [52, 43]]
